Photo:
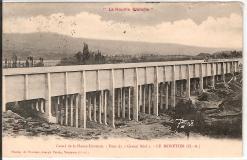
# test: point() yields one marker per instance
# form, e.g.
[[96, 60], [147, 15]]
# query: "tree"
[[86, 53]]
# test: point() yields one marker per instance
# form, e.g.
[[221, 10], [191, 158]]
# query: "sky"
[[203, 24]]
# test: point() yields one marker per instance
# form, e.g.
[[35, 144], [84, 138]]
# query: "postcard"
[[130, 80]]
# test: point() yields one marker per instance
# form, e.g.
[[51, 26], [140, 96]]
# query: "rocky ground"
[[216, 113], [148, 128]]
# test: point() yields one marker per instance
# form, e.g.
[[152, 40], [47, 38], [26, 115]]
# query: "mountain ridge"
[[57, 46]]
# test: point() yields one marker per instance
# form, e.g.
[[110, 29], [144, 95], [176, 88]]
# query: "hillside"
[[55, 46]]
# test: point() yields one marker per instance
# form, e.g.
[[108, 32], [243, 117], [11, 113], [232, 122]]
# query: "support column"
[[156, 93], [213, 76], [233, 70], [238, 68], [149, 98], [144, 99], [180, 82], [67, 99], [76, 111], [37, 105], [129, 97], [223, 72], [4, 94], [167, 95], [71, 110], [62, 110], [182, 88], [82, 101], [161, 96], [194, 85], [140, 97], [95, 107], [26, 87], [123, 103], [135, 96], [112, 99], [90, 107], [201, 79], [145, 89], [105, 108], [48, 99], [67, 110], [173, 87], [42, 106], [100, 105], [188, 82], [56, 109], [118, 102]]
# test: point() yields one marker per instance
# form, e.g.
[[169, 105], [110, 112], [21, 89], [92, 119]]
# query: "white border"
[[244, 74]]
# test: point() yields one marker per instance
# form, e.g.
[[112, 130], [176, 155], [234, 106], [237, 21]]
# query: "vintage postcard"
[[124, 80]]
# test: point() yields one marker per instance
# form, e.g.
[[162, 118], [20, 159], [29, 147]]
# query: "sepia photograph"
[[146, 79]]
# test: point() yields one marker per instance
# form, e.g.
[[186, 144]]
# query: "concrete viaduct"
[[73, 95]]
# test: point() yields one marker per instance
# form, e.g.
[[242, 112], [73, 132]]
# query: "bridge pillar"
[[156, 93], [129, 104], [135, 97], [66, 98], [201, 79], [118, 92], [81, 101], [48, 100], [144, 99], [188, 82], [72, 110], [167, 95], [123, 103], [233, 71], [140, 97], [145, 91], [76, 97], [213, 75], [161, 90], [223, 72], [95, 107], [41, 106], [105, 107], [61, 110], [3, 95], [58, 102], [173, 94], [182, 88], [90, 107], [173, 88], [100, 105], [56, 109], [66, 110], [213, 81], [149, 98], [112, 99]]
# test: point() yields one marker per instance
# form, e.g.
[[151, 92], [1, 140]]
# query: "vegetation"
[[89, 57], [84, 57], [221, 55]]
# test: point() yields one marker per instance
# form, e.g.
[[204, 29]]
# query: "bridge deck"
[[45, 86]]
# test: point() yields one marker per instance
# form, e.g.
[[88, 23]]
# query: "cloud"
[[197, 11], [213, 32]]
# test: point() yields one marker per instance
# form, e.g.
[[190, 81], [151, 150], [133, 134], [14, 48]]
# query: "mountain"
[[55, 46]]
